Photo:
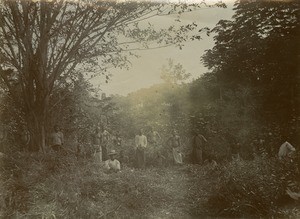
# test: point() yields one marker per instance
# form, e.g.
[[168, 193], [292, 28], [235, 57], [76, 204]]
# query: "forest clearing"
[[80, 191], [149, 109], [66, 187]]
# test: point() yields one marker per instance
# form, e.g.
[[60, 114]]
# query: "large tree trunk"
[[36, 119], [36, 127]]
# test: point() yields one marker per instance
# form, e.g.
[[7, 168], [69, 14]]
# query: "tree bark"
[[36, 115]]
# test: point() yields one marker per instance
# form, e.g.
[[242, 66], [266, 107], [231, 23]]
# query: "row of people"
[[141, 143], [101, 137], [99, 141]]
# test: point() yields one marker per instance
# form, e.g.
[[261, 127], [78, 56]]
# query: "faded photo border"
[[149, 109]]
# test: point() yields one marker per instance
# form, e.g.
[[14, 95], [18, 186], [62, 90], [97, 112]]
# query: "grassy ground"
[[49, 186], [63, 187]]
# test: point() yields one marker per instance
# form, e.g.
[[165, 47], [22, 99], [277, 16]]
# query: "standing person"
[[56, 139], [118, 140], [175, 142], [104, 143], [198, 145], [25, 138], [234, 146], [96, 142], [154, 137], [140, 144]]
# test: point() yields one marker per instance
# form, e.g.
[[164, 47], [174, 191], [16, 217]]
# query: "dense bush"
[[54, 186], [64, 186], [254, 188]]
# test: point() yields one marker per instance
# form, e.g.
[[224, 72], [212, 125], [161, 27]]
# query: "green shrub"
[[53, 186], [252, 188]]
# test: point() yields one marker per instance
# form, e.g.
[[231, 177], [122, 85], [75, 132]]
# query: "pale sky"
[[145, 71]]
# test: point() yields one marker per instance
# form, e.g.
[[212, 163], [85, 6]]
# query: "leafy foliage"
[[62, 186], [174, 73], [255, 187], [43, 43], [258, 49]]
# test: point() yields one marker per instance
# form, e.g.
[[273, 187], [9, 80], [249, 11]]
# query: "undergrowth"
[[57, 186], [52, 186], [255, 188]]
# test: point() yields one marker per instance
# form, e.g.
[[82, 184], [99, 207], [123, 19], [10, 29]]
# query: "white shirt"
[[112, 164], [285, 149], [57, 138], [141, 141]]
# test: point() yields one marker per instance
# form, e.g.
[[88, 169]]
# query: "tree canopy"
[[44, 42], [259, 49]]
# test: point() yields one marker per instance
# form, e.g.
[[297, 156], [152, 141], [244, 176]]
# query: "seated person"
[[112, 165], [285, 150], [210, 162]]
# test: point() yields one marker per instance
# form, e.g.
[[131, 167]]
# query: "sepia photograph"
[[156, 109]]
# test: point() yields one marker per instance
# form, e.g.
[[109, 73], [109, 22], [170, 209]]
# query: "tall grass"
[[254, 188], [66, 187]]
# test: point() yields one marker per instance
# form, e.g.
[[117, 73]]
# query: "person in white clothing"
[[140, 144], [112, 165], [285, 150], [175, 143]]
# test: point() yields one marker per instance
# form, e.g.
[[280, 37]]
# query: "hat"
[[112, 152]]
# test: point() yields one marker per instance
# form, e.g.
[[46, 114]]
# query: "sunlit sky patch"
[[145, 71]]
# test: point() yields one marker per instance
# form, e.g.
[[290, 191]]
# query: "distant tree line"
[[44, 44], [250, 92]]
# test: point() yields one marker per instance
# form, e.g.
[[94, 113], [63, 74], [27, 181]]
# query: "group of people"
[[101, 152], [141, 142], [174, 147], [100, 143], [100, 139]]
